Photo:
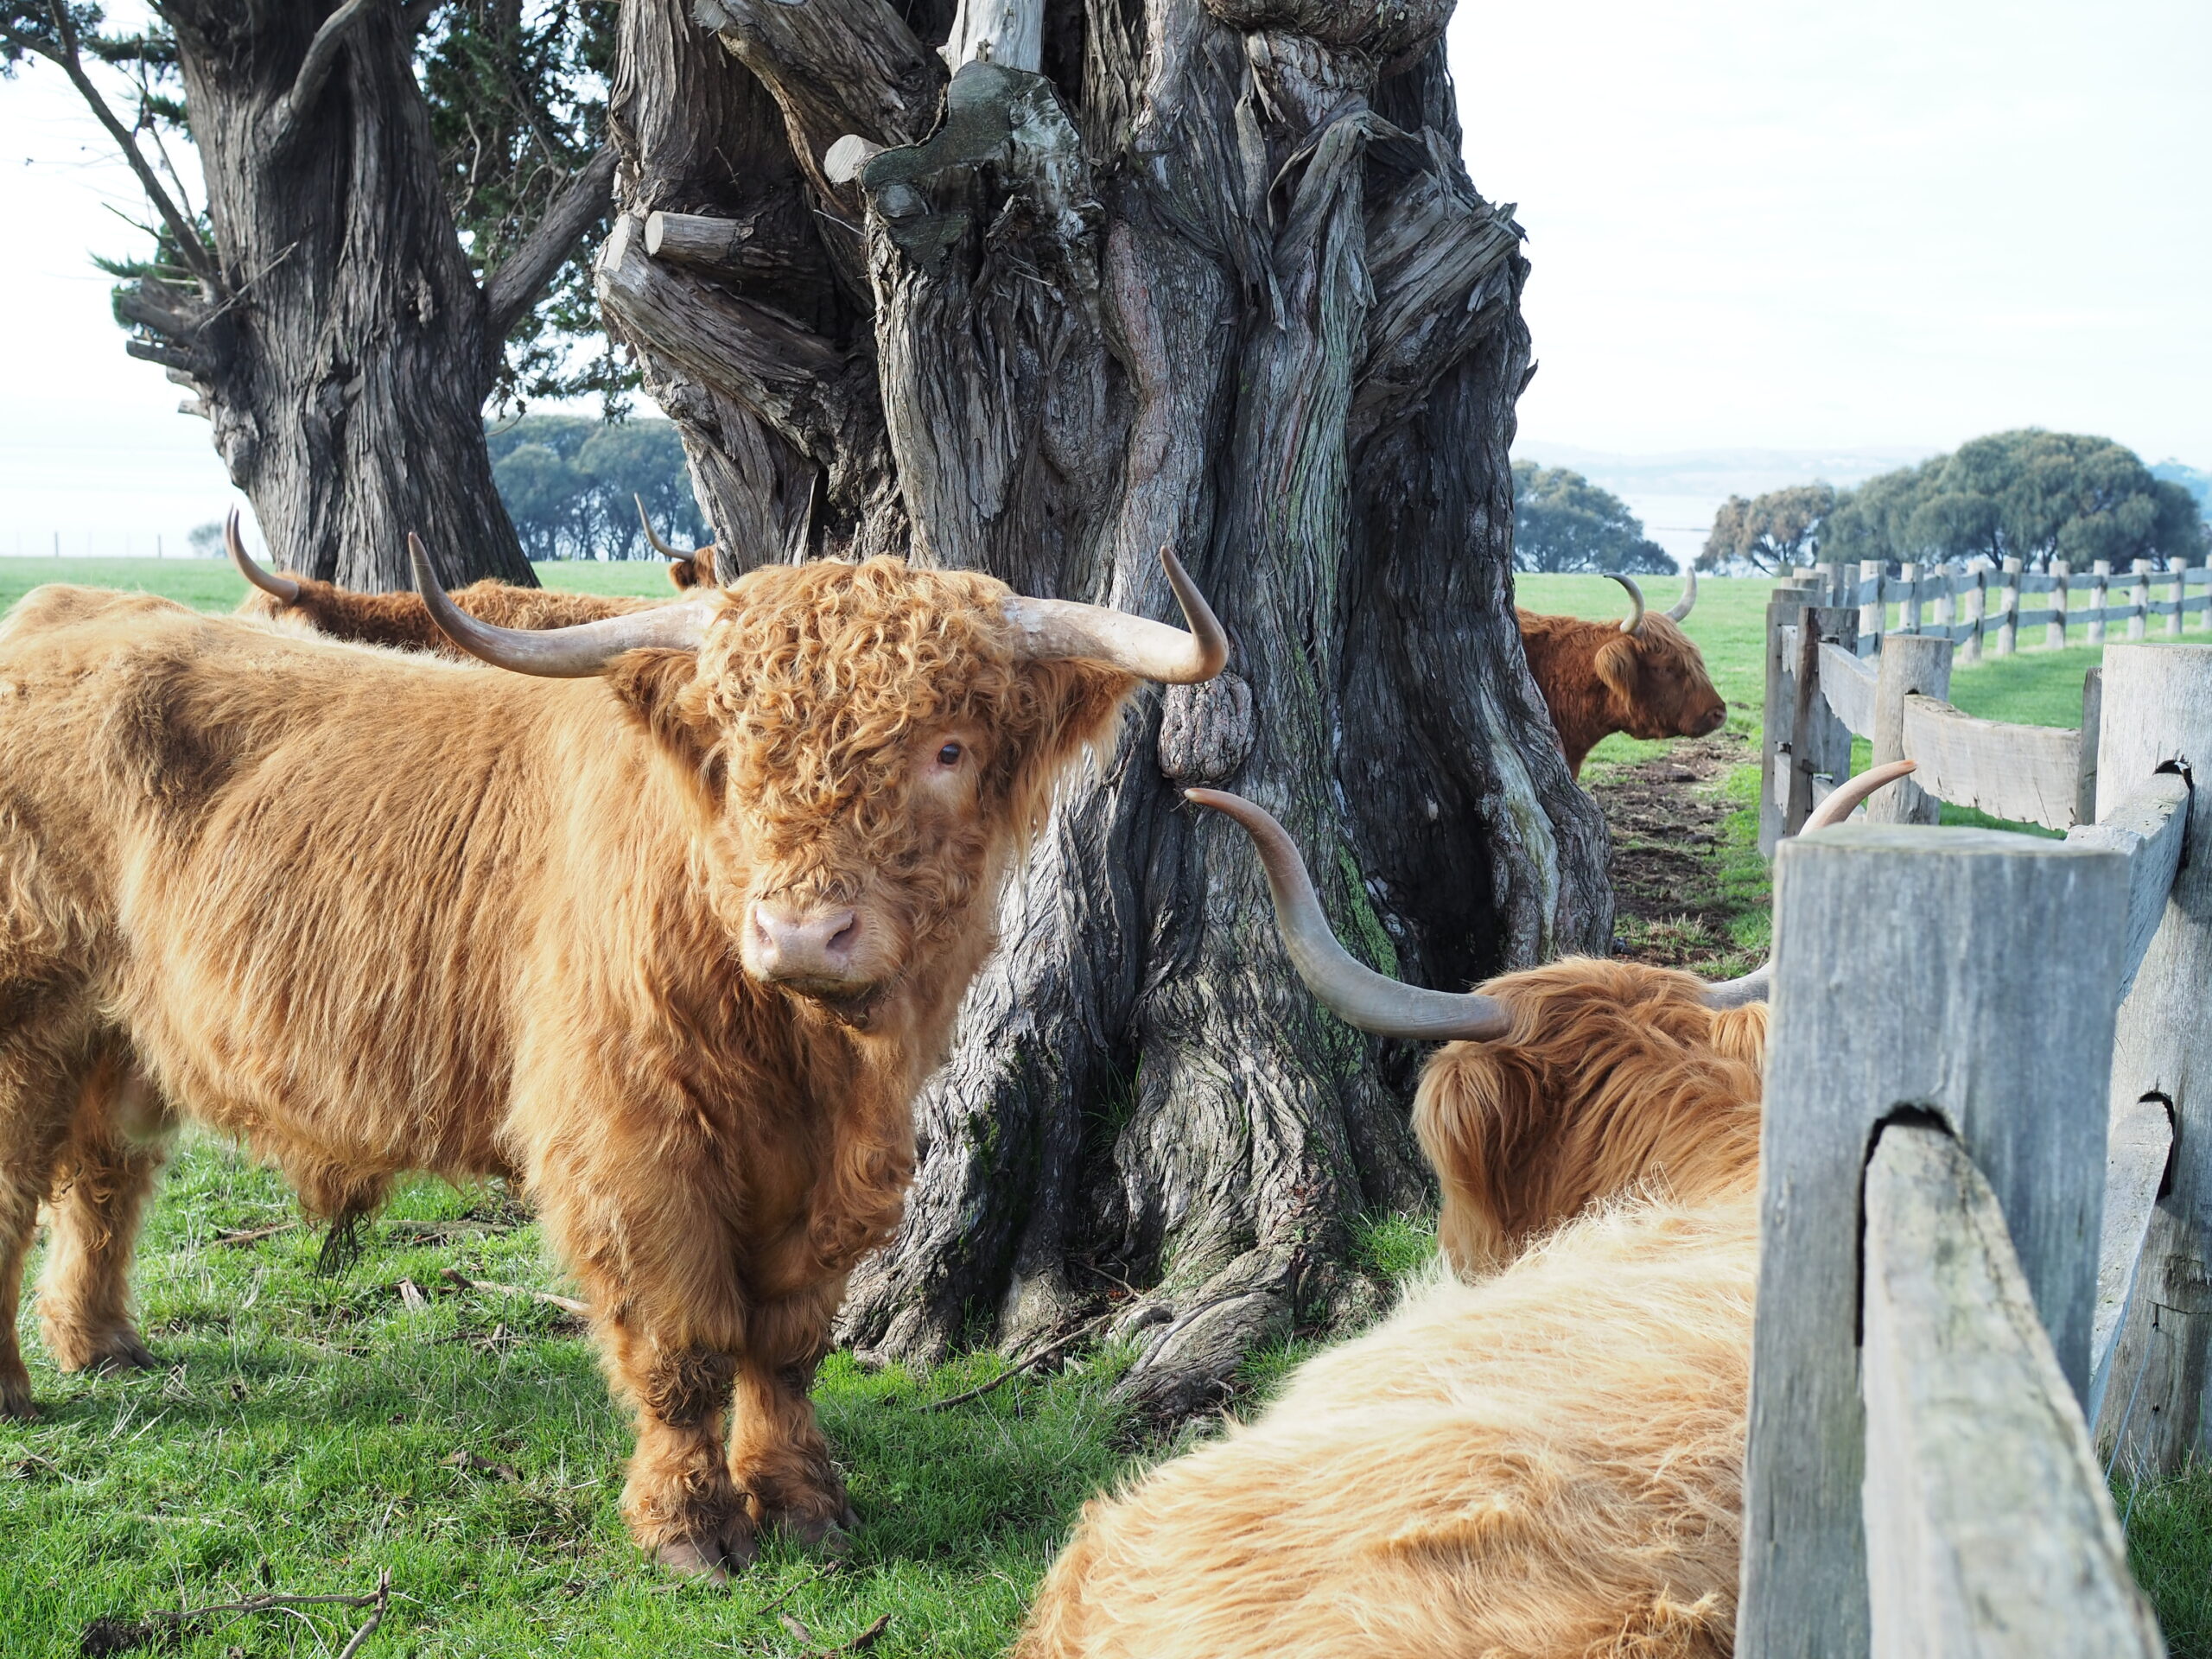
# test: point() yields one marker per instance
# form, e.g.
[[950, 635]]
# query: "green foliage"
[[2031, 494], [2198, 482], [568, 484], [517, 100], [518, 103], [1768, 531], [1563, 521]]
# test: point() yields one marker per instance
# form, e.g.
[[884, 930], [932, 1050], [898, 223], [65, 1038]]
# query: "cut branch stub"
[[1001, 128]]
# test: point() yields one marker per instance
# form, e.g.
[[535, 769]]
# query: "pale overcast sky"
[[1754, 226]]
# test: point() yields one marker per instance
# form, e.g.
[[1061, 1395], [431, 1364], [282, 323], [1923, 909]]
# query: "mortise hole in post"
[[1921, 1116]]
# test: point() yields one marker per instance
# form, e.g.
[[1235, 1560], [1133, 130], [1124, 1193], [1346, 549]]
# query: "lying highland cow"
[[1641, 676], [668, 925], [403, 622], [1545, 1463]]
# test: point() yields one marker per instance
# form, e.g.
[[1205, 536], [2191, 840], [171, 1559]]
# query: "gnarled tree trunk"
[[1138, 273], [336, 337]]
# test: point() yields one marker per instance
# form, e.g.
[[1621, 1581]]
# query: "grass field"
[[310, 1431]]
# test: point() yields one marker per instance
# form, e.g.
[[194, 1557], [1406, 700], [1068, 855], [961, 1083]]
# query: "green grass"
[[306, 1435]]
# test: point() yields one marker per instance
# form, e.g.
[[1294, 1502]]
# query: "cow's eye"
[[948, 755]]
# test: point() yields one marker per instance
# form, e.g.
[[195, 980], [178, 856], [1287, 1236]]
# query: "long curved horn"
[[1348, 987], [1053, 628], [1752, 986], [282, 589], [1634, 620], [1683, 607], [570, 653], [653, 536]]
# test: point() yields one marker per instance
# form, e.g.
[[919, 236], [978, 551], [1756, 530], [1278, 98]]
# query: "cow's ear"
[[1620, 667], [661, 688]]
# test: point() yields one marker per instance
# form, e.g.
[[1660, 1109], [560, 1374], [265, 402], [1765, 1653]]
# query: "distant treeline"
[[2030, 495], [1562, 522], [568, 483]]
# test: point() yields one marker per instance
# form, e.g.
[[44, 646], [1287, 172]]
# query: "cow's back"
[[308, 877]]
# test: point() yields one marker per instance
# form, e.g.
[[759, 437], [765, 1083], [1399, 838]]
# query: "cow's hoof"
[[708, 1561], [16, 1399], [119, 1349]]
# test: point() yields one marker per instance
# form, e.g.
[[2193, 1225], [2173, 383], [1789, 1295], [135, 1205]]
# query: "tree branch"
[[512, 290], [806, 387], [64, 52], [834, 67], [316, 66]]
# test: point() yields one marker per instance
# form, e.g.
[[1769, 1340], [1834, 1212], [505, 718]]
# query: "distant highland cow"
[[1641, 676]]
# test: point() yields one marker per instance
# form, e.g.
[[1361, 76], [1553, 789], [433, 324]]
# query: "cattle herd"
[[666, 914]]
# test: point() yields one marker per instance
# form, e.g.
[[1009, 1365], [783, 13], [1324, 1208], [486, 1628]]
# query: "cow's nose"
[[1714, 721], [794, 942]]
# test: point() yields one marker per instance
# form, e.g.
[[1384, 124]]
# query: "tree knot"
[[1205, 731]]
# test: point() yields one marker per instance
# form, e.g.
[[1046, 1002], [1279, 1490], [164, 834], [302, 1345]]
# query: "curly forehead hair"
[[821, 674]]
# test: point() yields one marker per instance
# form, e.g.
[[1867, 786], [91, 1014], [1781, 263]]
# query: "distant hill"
[[2195, 480]]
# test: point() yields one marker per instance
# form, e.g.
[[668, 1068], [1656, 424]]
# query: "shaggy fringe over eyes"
[[1615, 1076], [822, 676]]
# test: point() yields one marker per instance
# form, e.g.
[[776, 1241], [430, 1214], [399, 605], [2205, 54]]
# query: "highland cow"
[[1547, 1461], [1641, 676], [667, 926], [403, 622]]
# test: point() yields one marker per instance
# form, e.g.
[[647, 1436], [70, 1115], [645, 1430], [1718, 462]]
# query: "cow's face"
[[1656, 683], [882, 745], [869, 742]]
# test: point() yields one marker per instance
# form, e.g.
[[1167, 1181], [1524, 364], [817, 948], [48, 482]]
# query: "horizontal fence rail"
[[1984, 607]]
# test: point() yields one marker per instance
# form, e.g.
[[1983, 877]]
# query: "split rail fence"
[[1985, 1199], [1987, 606], [1822, 690]]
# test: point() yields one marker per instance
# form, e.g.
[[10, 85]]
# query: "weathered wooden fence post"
[[2100, 596], [1785, 608], [2157, 1408], [1974, 599], [1988, 1526], [1921, 665], [1819, 744], [2008, 602], [1977, 989], [2053, 636], [2139, 624], [1909, 602], [2085, 775], [1873, 618], [2181, 593], [1947, 601]]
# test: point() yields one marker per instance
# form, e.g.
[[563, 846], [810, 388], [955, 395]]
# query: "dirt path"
[[1680, 899]]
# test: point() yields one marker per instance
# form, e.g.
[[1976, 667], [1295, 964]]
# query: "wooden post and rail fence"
[[1985, 1184]]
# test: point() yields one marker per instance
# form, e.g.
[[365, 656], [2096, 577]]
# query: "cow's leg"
[[666, 1319], [38, 1068], [107, 1170], [777, 1454]]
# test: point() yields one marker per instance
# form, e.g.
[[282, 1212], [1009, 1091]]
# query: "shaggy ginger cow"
[[1546, 1463], [403, 621], [1641, 676], [668, 926]]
